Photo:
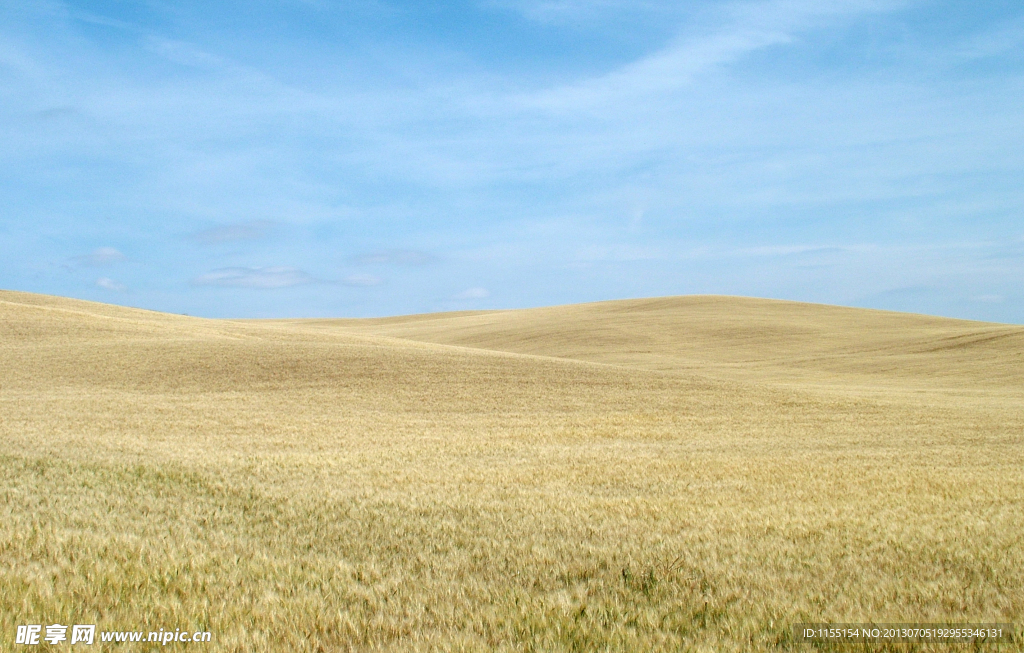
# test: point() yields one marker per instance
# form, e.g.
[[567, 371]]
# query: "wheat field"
[[672, 474]]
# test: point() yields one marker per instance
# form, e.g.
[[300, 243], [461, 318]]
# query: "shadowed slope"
[[754, 339]]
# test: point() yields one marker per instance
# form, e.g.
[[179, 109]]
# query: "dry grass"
[[686, 473]]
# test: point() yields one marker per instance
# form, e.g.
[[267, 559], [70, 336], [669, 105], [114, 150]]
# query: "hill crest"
[[750, 339]]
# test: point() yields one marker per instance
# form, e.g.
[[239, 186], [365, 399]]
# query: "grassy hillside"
[[737, 337], [673, 474]]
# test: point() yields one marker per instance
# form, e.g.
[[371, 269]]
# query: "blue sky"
[[372, 157]]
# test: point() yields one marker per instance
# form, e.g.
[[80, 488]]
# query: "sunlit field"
[[690, 473]]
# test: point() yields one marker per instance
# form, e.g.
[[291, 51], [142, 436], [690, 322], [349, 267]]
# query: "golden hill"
[[767, 340], [689, 473]]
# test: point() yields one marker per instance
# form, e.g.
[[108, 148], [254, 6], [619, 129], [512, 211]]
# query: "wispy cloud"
[[1008, 37], [183, 53], [787, 250], [394, 257], [55, 113], [362, 280], [619, 253], [94, 19], [575, 12], [252, 230], [99, 257], [16, 59], [742, 28], [265, 277], [109, 284], [658, 146], [990, 298], [1007, 250], [473, 293]]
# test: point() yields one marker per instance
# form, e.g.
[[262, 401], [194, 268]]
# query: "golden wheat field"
[[674, 474]]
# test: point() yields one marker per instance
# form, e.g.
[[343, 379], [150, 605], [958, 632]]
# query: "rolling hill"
[[682, 473], [738, 337]]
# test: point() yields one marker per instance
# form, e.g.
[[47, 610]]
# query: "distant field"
[[683, 473]]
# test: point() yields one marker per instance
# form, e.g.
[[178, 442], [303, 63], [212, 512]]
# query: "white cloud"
[[745, 28], [619, 253], [17, 60], [362, 280], [265, 277], [991, 299], [394, 257], [96, 19], [574, 12], [993, 43], [109, 284], [786, 250], [100, 257], [252, 230], [183, 53], [473, 293]]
